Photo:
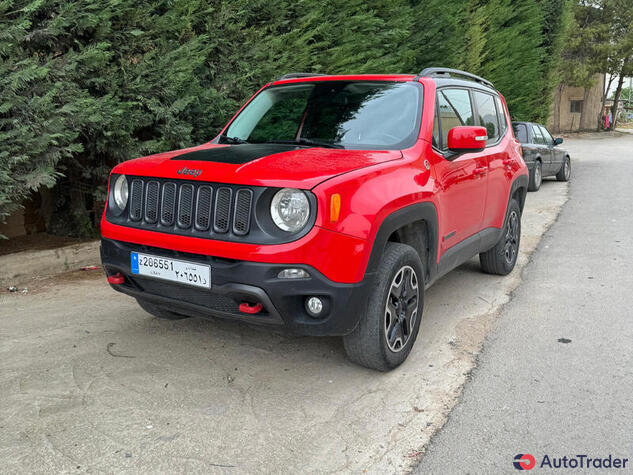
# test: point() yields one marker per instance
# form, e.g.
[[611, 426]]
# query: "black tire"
[[368, 344], [158, 312], [536, 176], [502, 258], [565, 170]]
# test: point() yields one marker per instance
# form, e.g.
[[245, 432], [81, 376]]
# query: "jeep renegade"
[[326, 206]]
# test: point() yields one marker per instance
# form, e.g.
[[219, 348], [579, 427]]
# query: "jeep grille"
[[221, 211], [175, 206]]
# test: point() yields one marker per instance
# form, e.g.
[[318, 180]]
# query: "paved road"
[[532, 392]]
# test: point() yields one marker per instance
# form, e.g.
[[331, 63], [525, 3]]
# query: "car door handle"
[[480, 171], [508, 161]]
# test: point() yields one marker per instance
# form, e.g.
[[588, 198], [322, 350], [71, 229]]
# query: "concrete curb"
[[28, 264]]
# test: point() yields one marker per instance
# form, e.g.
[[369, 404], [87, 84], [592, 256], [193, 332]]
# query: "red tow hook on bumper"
[[116, 279], [252, 309]]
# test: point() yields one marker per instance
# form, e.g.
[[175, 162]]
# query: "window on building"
[[575, 106]]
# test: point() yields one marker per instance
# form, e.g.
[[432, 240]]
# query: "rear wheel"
[[158, 312], [502, 258], [386, 333], [536, 176], [565, 171]]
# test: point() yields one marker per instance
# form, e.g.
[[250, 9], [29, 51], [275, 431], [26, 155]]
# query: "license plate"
[[190, 273]]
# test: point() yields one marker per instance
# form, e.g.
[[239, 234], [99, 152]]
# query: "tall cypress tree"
[[512, 53], [557, 20], [440, 33]]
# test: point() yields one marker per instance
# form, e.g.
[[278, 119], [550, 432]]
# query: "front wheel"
[[565, 171], [386, 333], [502, 258]]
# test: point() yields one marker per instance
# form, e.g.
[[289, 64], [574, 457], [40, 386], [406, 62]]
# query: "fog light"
[[314, 305], [293, 273]]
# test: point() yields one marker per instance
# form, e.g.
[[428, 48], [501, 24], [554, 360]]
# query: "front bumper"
[[340, 257], [235, 282]]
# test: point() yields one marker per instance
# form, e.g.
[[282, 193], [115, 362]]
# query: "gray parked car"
[[542, 154]]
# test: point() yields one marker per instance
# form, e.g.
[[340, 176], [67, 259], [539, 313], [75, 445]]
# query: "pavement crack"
[[109, 347]]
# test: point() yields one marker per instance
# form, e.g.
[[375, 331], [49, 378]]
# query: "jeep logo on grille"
[[189, 171]]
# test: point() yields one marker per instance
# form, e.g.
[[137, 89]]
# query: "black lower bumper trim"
[[234, 282], [195, 310]]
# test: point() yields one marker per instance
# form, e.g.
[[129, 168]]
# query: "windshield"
[[357, 115]]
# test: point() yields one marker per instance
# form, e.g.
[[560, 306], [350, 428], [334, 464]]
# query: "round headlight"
[[290, 209], [120, 192]]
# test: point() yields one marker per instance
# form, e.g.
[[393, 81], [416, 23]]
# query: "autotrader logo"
[[524, 461], [528, 462]]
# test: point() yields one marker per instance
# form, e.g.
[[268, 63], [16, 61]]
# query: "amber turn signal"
[[335, 207]]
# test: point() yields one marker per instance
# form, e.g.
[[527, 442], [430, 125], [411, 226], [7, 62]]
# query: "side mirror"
[[558, 141], [467, 139]]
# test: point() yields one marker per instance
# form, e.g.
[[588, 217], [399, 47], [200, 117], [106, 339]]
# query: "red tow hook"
[[116, 279], [252, 309]]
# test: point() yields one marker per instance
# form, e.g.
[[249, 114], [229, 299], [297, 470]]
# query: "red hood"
[[252, 164]]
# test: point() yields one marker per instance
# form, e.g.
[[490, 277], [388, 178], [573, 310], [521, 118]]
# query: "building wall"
[[25, 220], [562, 119]]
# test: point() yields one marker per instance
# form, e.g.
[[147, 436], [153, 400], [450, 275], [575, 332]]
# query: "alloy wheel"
[[401, 309], [511, 246]]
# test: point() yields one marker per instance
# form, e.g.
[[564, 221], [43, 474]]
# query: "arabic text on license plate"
[[190, 273]]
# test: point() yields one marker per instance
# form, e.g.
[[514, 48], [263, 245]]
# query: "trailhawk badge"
[[189, 171]]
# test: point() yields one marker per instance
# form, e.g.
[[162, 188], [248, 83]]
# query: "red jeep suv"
[[326, 206]]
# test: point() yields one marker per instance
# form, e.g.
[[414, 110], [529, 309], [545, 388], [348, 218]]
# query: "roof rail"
[[447, 72], [299, 75]]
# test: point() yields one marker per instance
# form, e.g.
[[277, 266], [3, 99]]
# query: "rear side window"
[[537, 136], [487, 112], [454, 110], [520, 132]]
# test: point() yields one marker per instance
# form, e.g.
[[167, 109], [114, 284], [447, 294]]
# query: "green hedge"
[[85, 84]]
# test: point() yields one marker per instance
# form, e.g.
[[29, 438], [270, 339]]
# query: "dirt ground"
[[89, 382], [34, 242]]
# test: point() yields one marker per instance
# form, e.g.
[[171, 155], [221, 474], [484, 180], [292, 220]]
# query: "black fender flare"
[[423, 211]]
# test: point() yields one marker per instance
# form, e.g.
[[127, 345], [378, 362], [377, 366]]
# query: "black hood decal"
[[236, 154]]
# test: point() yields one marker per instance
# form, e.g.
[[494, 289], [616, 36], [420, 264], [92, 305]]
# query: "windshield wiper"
[[232, 140], [309, 142]]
